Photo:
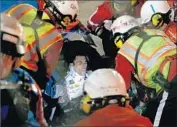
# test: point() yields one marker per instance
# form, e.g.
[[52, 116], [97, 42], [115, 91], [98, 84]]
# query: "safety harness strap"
[[145, 38], [145, 94]]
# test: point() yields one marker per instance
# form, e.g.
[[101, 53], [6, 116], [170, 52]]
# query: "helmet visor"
[[9, 44]]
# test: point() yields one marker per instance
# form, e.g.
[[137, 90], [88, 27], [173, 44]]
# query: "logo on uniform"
[[71, 81], [38, 21]]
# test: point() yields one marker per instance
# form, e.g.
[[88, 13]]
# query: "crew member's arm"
[[102, 13], [124, 67], [52, 56], [9, 85]]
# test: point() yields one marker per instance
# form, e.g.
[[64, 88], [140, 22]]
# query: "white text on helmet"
[[73, 6], [124, 24]]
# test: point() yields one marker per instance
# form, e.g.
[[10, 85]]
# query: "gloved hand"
[[28, 79], [174, 12], [83, 29], [107, 24], [140, 109], [99, 30], [27, 84]]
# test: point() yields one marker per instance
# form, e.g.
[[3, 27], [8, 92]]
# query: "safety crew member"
[[161, 14], [149, 56], [107, 99]]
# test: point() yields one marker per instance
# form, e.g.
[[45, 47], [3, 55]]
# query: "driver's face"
[[80, 65]]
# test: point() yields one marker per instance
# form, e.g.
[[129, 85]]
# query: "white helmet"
[[123, 24], [69, 7], [12, 31], [105, 82], [151, 7]]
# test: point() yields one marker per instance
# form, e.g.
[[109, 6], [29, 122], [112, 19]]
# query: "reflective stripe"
[[149, 57], [146, 63], [170, 31], [166, 42], [52, 114], [24, 12], [48, 44], [170, 62], [132, 53], [20, 8], [46, 33], [45, 41], [155, 57], [47, 38], [160, 109], [143, 59], [13, 9], [135, 49], [172, 36], [170, 42], [30, 63], [31, 51], [143, 74]]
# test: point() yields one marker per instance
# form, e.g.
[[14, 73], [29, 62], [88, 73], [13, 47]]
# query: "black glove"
[[159, 78]]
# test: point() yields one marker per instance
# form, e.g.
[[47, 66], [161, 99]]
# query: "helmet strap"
[[117, 99], [97, 104], [102, 102], [126, 35]]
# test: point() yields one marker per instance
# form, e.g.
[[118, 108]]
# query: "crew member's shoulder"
[[105, 5]]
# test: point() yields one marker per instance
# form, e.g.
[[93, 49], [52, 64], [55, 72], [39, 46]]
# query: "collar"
[[74, 74]]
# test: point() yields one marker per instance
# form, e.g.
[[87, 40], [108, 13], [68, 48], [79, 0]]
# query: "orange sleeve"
[[52, 56], [171, 2], [170, 30], [114, 115], [124, 67]]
